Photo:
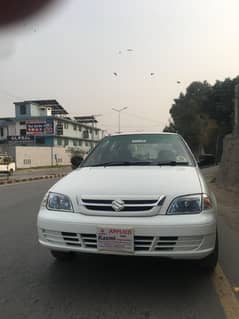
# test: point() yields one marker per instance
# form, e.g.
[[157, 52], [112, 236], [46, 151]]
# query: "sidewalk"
[[228, 200]]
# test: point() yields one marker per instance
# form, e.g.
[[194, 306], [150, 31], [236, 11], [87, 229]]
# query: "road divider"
[[32, 178]]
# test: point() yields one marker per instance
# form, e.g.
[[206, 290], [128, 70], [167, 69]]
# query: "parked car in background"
[[7, 164], [207, 159], [75, 161], [138, 194]]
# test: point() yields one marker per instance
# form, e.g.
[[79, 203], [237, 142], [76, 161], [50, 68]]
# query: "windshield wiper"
[[122, 163], [172, 163]]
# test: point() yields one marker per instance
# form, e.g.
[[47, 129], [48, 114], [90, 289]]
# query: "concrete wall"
[[35, 110], [228, 173], [12, 129], [27, 156]]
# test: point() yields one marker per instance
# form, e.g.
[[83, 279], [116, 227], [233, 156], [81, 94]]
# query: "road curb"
[[34, 178]]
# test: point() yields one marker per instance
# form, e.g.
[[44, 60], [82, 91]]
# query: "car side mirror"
[[76, 161]]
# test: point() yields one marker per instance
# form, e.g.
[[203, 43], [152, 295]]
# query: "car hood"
[[130, 181]]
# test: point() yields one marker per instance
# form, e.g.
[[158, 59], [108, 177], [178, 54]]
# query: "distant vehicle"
[[7, 164], [75, 161], [207, 159], [139, 194]]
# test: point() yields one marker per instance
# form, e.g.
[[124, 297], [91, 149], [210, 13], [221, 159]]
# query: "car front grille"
[[126, 209], [129, 205], [121, 207], [141, 243]]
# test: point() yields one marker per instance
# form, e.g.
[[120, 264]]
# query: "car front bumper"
[[179, 237]]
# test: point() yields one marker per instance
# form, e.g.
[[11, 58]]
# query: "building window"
[[66, 142], [40, 140], [59, 128], [23, 109], [75, 142], [22, 123], [86, 143], [74, 127], [2, 132], [79, 128], [65, 125], [80, 143], [23, 132], [59, 141], [86, 134], [27, 161]]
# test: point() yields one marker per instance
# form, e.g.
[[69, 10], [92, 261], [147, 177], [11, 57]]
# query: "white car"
[[138, 194], [7, 164]]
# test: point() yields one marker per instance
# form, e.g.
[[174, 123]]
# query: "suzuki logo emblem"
[[118, 205]]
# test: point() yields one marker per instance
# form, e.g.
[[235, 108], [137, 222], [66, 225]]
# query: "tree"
[[187, 115], [204, 114], [170, 127]]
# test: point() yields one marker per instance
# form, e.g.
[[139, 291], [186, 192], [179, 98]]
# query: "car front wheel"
[[209, 263], [10, 173]]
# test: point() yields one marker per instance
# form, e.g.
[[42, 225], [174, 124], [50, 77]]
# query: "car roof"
[[144, 133]]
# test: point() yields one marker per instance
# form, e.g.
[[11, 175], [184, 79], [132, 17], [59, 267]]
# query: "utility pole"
[[236, 111], [119, 111]]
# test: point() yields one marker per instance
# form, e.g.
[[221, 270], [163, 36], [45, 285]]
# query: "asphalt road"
[[33, 285]]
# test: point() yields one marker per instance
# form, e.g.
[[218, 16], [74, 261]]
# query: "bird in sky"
[[115, 74], [130, 50], [178, 82], [152, 73]]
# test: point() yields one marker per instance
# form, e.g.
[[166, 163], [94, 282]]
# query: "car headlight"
[[190, 204], [60, 202]]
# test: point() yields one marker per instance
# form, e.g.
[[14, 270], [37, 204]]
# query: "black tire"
[[10, 173], [62, 255], [209, 263]]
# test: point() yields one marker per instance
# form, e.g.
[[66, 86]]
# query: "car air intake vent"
[[71, 239], [141, 243]]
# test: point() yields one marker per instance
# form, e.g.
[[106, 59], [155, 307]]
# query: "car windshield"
[[140, 149]]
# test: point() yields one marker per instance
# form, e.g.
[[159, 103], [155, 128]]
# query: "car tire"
[[10, 173], [62, 255], [209, 263]]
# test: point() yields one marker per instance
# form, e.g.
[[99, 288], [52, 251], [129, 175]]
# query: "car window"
[[154, 148]]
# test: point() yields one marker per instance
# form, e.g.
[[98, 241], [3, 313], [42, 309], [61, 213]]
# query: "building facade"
[[44, 127]]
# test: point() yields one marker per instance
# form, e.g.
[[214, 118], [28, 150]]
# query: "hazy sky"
[[70, 55]]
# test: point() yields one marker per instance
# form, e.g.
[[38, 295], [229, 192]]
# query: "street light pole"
[[119, 111]]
